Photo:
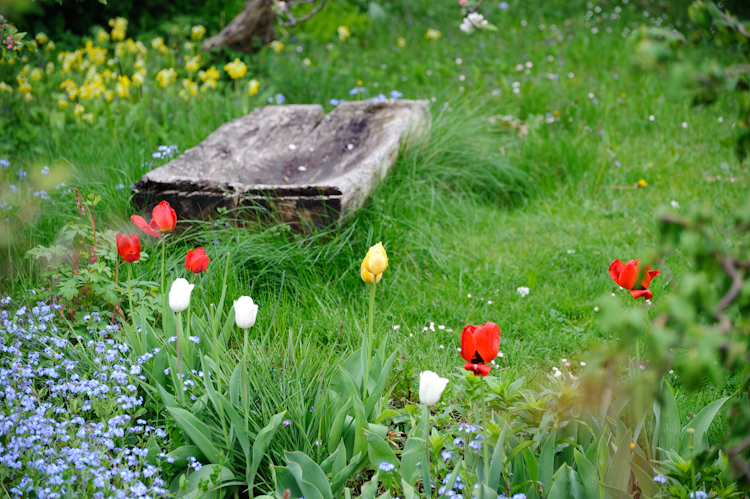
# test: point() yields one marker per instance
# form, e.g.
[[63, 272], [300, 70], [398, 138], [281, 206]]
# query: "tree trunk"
[[252, 28]]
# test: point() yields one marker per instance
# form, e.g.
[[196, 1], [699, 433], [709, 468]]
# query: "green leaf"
[[451, 478], [619, 467], [409, 492], [379, 452], [360, 425], [197, 431], [310, 478], [261, 444], [340, 478], [669, 421], [369, 489], [235, 385], [374, 397], [337, 427], [645, 481], [547, 461], [181, 455], [565, 484], [204, 474], [588, 475], [614, 493], [700, 424], [413, 452], [498, 456], [532, 465], [283, 480]]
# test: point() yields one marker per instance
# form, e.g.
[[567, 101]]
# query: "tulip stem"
[[426, 464], [179, 363], [370, 324], [130, 295], [485, 442], [244, 379], [163, 287]]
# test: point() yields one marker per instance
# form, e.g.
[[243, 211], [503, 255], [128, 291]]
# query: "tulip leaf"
[[669, 421], [413, 452], [532, 465], [369, 489], [547, 461], [235, 385], [261, 444], [213, 397], [181, 455], [197, 431], [645, 481], [379, 452], [166, 397], [340, 478], [565, 484], [588, 475], [409, 492], [214, 474], [310, 478], [619, 466], [615, 493], [337, 427], [700, 424], [284, 480], [360, 425], [498, 456], [328, 462], [160, 363], [375, 396]]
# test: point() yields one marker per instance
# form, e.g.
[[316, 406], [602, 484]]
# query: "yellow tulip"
[[368, 277], [376, 260]]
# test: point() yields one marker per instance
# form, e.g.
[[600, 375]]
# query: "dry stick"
[[293, 21], [729, 265]]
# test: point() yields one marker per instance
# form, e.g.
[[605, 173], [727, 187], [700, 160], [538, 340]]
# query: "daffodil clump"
[[111, 71]]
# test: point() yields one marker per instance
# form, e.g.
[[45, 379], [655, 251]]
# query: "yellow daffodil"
[[374, 264], [252, 87], [210, 74], [189, 46], [642, 183], [88, 117], [432, 34], [158, 45], [197, 32], [401, 42], [236, 69], [36, 74], [62, 103], [108, 95], [50, 46], [307, 62], [344, 33], [139, 79], [41, 38], [4, 87], [49, 68], [28, 97], [276, 46], [23, 85], [79, 109], [166, 76]]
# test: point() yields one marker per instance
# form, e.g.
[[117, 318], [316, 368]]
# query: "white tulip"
[[179, 295], [245, 312], [431, 387]]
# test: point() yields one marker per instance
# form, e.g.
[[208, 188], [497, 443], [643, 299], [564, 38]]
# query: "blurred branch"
[[730, 267], [736, 24], [293, 21]]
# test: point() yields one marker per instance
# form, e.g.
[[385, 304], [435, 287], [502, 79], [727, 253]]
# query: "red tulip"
[[479, 346], [129, 247], [196, 260], [626, 275], [164, 219]]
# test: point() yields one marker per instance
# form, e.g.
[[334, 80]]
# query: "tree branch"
[[293, 21]]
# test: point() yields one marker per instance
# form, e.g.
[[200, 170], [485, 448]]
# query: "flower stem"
[[370, 324], [130, 293], [163, 290], [426, 463], [485, 441], [244, 378], [179, 362]]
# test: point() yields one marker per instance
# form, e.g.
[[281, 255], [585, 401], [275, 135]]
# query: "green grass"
[[479, 211]]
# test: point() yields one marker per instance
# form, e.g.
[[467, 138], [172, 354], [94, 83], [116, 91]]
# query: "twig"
[[736, 24], [293, 21], [729, 264]]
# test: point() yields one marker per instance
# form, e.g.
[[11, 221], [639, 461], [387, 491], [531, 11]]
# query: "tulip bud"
[[179, 295], [376, 259], [367, 276], [431, 387], [245, 312]]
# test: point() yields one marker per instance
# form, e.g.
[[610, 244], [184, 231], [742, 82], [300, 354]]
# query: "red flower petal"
[[615, 269], [650, 274], [641, 293], [141, 223], [478, 369], [487, 339], [196, 261], [164, 217], [129, 247], [468, 346], [629, 274]]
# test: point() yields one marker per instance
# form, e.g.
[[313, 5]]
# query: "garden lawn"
[[546, 202]]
